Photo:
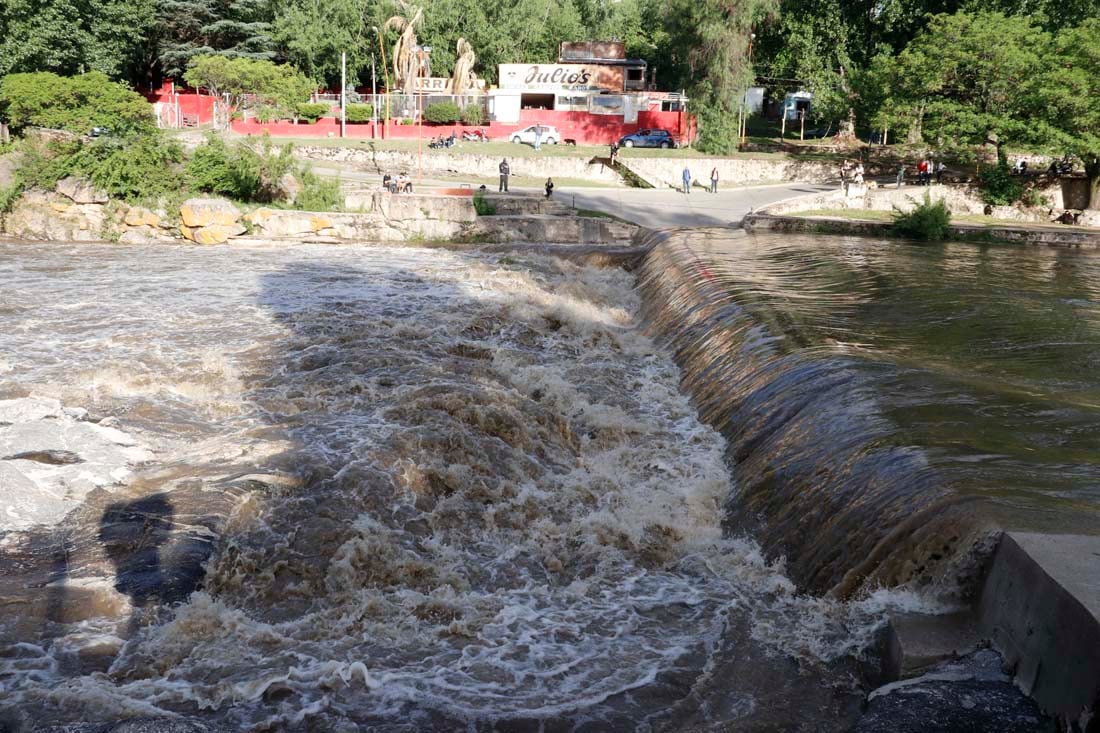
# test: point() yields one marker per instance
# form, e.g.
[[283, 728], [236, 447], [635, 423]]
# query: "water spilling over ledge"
[[431, 490], [886, 405]]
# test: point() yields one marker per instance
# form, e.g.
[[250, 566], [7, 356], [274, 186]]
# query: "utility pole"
[[343, 94], [373, 100], [386, 76]]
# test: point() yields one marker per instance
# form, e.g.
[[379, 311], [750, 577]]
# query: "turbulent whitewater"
[[431, 490]]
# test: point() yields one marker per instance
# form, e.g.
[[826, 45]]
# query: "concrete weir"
[[1039, 607]]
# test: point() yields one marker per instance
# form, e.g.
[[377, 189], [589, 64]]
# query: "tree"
[[247, 82], [706, 51], [1066, 98], [313, 33], [231, 28], [967, 80], [76, 104], [72, 36]]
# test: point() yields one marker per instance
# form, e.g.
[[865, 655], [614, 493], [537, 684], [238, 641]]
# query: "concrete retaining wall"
[[1040, 607], [731, 171], [371, 160]]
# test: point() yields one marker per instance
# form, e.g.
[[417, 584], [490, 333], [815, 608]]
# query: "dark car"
[[648, 139]]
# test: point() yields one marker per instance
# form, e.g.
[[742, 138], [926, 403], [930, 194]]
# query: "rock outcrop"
[[81, 191], [210, 221]]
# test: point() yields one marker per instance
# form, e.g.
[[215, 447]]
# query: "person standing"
[[614, 152], [538, 136], [505, 171], [714, 179], [901, 175], [549, 188], [687, 179], [940, 168]]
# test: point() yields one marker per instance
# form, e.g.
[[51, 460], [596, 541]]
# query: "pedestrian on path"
[[940, 169], [505, 171], [687, 179], [538, 137], [614, 152], [714, 180], [549, 188], [901, 175]]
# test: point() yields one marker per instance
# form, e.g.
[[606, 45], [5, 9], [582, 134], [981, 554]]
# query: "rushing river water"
[[452, 492]]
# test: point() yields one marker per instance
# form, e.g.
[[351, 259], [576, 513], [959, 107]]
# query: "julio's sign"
[[580, 77]]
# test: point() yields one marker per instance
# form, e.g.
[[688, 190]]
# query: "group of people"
[[506, 172], [686, 177], [401, 184], [927, 169], [851, 174]]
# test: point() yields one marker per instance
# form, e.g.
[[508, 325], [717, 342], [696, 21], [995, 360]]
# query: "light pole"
[[343, 94], [421, 52], [386, 76], [745, 120], [373, 100]]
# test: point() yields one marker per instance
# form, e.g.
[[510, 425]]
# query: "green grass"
[[859, 214]]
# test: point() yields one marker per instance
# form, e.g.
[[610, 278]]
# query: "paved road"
[[653, 208], [659, 209]]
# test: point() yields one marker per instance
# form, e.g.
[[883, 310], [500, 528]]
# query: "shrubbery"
[[998, 185], [318, 194], [928, 221], [473, 114], [313, 111], [76, 103], [442, 113], [244, 171], [139, 167], [359, 112]]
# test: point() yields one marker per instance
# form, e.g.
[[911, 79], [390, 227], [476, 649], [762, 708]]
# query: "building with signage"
[[593, 77]]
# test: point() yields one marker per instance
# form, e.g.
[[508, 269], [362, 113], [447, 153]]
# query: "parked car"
[[550, 135], [648, 139]]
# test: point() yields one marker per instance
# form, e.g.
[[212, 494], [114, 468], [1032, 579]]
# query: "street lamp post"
[[386, 77], [373, 100], [343, 94], [744, 101]]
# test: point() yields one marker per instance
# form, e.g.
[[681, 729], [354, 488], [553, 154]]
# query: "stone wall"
[[731, 171], [371, 160]]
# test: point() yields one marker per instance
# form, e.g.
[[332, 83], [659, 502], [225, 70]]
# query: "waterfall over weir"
[[885, 404]]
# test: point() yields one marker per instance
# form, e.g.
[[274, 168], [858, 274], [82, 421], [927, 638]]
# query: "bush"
[[1032, 197], [928, 221], [998, 185], [359, 112], [483, 207], [76, 104], [473, 114], [266, 113], [245, 172], [138, 167], [318, 194], [442, 113], [311, 112]]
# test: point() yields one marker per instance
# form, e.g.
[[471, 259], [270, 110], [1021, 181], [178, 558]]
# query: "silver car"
[[550, 135]]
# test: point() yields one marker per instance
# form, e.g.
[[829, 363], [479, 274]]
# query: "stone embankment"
[[1034, 226], [76, 212]]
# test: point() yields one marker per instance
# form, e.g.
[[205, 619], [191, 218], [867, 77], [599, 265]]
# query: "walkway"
[[658, 209]]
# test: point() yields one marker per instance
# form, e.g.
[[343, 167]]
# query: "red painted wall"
[[585, 128], [192, 104]]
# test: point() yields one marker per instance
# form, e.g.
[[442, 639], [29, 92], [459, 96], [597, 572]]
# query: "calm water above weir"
[[452, 491], [872, 389]]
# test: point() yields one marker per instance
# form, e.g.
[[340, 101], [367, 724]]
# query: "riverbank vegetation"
[[92, 128], [961, 76]]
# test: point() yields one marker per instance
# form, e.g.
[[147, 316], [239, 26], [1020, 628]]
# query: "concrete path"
[[659, 209]]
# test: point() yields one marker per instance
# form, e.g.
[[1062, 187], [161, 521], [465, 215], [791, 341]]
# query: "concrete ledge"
[[956, 232], [1040, 607]]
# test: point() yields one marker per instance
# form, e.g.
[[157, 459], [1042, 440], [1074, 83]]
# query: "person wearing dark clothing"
[[505, 171], [549, 188], [614, 152], [714, 180]]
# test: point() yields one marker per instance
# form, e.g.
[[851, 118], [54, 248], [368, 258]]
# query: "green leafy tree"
[[1067, 94], [231, 28], [73, 36], [76, 103], [967, 80], [248, 82], [313, 33]]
